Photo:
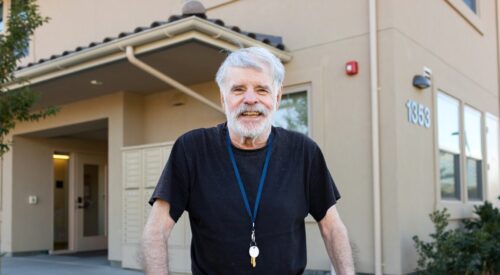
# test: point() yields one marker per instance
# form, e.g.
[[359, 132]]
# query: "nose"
[[250, 97]]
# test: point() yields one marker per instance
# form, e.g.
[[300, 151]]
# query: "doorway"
[[80, 202], [61, 201]]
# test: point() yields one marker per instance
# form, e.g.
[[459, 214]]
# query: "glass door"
[[91, 203]]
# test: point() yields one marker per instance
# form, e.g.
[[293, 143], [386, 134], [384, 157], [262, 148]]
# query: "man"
[[247, 185]]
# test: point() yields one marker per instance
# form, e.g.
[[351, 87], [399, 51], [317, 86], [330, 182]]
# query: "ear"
[[222, 100], [278, 98]]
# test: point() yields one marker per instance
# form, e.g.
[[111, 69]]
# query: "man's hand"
[[154, 238], [334, 235]]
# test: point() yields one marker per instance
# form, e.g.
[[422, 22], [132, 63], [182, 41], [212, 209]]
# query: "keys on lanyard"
[[254, 250]]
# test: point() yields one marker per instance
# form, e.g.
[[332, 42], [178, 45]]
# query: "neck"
[[248, 143]]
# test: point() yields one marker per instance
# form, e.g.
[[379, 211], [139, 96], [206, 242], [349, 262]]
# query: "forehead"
[[238, 75]]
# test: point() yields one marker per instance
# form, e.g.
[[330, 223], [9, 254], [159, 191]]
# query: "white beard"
[[250, 129]]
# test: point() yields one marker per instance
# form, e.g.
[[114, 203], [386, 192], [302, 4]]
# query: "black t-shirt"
[[200, 179]]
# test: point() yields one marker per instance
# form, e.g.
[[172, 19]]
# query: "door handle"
[[80, 202]]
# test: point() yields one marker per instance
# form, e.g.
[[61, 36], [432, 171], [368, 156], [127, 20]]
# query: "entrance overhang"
[[188, 50]]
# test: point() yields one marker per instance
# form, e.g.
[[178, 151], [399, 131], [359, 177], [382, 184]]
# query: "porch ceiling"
[[189, 62], [90, 130]]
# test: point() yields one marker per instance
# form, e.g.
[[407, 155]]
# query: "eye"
[[237, 89], [262, 91]]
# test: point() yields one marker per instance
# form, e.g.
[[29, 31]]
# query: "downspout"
[[170, 81], [497, 21], [1, 189], [377, 224]]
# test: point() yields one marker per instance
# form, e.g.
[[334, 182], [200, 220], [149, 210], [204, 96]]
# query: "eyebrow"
[[234, 87]]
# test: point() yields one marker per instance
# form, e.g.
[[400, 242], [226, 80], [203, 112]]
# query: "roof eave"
[[172, 33]]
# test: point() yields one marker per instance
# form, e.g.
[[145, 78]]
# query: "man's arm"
[[154, 238], [334, 235]]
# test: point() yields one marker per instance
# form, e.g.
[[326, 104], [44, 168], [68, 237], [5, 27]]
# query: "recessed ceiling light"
[[96, 82]]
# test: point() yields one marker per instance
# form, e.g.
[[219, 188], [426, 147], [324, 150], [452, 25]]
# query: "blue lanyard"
[[240, 182]]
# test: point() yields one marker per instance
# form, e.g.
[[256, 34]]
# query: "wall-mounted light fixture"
[[60, 156], [421, 82]]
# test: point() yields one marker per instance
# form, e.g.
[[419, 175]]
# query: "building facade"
[[414, 130]]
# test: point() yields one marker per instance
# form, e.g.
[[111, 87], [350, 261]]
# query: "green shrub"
[[471, 249]]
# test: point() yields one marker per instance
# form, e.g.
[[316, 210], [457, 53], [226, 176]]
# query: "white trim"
[[469, 110], [492, 171], [449, 99]]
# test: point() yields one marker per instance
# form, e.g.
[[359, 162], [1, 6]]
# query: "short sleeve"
[[173, 185], [322, 190]]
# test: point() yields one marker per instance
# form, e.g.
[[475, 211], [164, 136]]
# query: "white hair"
[[255, 58]]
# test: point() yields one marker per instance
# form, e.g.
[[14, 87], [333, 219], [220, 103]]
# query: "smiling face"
[[250, 100]]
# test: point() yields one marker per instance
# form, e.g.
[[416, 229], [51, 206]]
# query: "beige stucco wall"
[[133, 118], [36, 159], [302, 24], [165, 122], [85, 21], [439, 29]]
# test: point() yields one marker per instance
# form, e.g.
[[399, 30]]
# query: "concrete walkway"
[[94, 263]]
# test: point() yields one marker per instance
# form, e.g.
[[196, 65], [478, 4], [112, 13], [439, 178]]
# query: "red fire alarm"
[[351, 67]]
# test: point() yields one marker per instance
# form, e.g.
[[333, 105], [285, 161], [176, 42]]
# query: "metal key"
[[254, 253]]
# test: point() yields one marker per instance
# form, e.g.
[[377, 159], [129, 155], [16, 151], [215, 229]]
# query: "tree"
[[16, 104]]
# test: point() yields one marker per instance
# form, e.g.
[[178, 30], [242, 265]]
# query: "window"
[[24, 51], [471, 4], [293, 113], [21, 51], [473, 153], [449, 147], [452, 162]]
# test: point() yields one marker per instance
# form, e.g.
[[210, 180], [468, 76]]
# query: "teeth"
[[250, 113]]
